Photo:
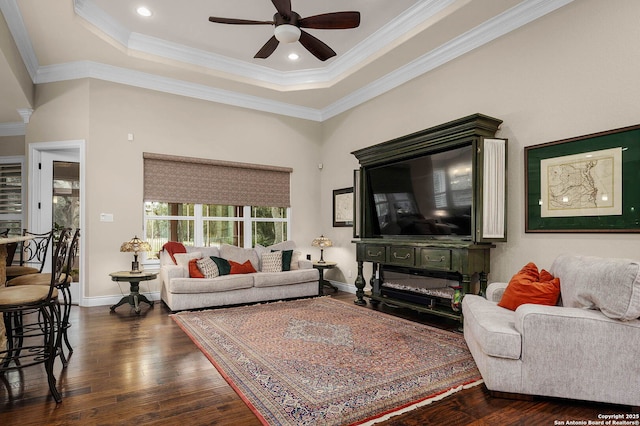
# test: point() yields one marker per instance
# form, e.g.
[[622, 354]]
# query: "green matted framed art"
[[588, 183]]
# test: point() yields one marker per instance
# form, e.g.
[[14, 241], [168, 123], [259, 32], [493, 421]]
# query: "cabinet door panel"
[[403, 256], [435, 259], [375, 253]]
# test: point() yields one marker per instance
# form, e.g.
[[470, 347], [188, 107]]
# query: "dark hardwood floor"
[[128, 369]]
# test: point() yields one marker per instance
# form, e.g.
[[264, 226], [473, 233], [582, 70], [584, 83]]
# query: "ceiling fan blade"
[[283, 7], [268, 48], [316, 47], [238, 21], [332, 21]]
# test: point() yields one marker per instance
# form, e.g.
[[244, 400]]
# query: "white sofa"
[[180, 292], [585, 348]]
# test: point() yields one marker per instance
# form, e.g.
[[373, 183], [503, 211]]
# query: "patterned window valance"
[[175, 179]]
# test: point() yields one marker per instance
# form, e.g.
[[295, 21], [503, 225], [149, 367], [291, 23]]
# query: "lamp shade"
[[322, 242], [135, 245]]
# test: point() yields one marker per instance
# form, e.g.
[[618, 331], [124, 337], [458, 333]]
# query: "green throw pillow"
[[223, 265], [286, 259]]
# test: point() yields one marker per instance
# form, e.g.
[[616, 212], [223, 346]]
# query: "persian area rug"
[[326, 362]]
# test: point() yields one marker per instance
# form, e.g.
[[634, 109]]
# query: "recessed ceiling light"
[[294, 56], [143, 11]]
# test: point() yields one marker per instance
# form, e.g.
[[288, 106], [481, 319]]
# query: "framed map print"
[[585, 184], [343, 207]]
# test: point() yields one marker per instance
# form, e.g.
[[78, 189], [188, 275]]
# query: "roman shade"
[[176, 179]]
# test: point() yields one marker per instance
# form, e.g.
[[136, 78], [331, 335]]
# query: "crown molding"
[[510, 20], [13, 129], [95, 70], [280, 80], [521, 14], [13, 17]]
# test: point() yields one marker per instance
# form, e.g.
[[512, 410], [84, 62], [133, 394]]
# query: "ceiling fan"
[[288, 26]]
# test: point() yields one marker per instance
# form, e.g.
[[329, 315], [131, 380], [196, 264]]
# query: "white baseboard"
[[112, 300], [155, 296]]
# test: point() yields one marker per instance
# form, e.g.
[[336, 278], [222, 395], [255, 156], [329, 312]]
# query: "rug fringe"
[[421, 403]]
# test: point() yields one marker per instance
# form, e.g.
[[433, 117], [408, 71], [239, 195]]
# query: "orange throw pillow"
[[194, 271], [244, 268], [531, 286]]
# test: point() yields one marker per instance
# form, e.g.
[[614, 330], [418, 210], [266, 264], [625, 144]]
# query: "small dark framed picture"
[[343, 207]]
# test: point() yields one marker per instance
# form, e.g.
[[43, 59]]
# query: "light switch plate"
[[106, 217]]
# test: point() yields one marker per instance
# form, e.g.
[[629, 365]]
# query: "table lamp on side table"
[[322, 242], [136, 245]]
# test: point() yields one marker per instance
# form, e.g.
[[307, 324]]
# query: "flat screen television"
[[429, 196]]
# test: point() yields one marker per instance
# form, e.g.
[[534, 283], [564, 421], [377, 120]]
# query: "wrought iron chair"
[[63, 284], [32, 321], [33, 254]]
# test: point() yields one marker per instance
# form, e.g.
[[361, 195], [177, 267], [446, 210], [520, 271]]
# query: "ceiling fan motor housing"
[[287, 28]]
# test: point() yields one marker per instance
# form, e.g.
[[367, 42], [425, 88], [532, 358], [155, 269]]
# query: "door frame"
[[35, 191]]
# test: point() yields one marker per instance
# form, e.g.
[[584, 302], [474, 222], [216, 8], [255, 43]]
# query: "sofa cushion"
[[285, 245], [295, 260], [206, 251], [271, 262], [492, 326], [240, 255], [271, 279], [610, 285], [224, 268], [286, 259], [208, 267], [182, 259], [210, 285], [241, 268], [531, 286], [194, 271]]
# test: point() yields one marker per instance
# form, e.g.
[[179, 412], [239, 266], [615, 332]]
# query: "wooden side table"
[[321, 266], [133, 278]]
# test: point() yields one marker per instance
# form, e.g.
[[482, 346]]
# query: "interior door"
[[59, 204]]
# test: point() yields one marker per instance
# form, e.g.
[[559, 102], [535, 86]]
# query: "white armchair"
[[585, 349]]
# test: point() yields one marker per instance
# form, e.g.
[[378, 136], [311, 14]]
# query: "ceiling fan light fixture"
[[287, 33]]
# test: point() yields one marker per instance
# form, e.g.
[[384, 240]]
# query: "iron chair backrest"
[[74, 247], [11, 247], [34, 252], [59, 259]]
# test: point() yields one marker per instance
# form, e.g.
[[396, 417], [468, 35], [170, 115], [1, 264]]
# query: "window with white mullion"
[[12, 194], [246, 214], [198, 231]]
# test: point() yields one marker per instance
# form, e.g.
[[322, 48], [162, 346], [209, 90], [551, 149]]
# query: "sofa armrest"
[[578, 352], [305, 264], [495, 291], [168, 272]]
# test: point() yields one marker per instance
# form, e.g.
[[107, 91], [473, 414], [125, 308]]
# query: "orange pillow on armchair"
[[531, 286]]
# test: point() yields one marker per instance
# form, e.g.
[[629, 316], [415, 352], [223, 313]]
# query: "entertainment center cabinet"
[[429, 207]]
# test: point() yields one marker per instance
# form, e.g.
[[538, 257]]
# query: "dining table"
[[3, 275]]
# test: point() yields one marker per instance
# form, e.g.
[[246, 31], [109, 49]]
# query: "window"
[[11, 194], [213, 225], [203, 202]]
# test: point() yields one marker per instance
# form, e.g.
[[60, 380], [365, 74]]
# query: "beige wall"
[[104, 114], [11, 146], [571, 73]]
